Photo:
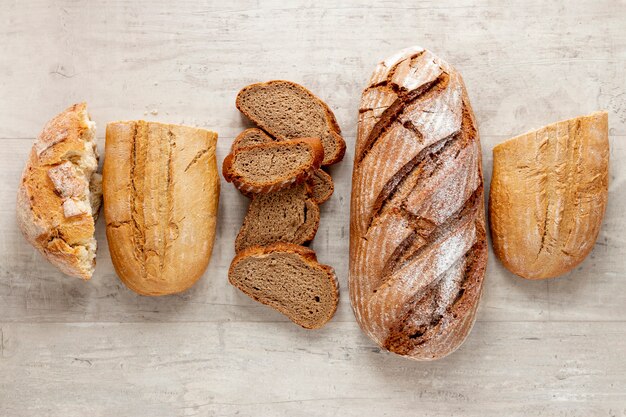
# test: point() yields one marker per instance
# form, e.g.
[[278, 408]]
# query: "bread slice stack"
[[279, 165]]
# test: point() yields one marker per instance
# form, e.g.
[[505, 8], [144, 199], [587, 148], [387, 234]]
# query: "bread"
[[320, 183], [287, 110], [272, 166], [548, 195], [288, 215], [251, 136], [59, 195], [418, 248], [289, 279], [161, 192]]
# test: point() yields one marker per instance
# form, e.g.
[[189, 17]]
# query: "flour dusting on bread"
[[418, 247]]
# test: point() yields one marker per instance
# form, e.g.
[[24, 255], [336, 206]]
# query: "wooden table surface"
[[73, 348]]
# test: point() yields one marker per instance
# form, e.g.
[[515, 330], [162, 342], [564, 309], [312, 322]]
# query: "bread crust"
[[418, 248], [333, 126], [161, 189], [248, 186], [549, 191], [307, 255], [63, 236]]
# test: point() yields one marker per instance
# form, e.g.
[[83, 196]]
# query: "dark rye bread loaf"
[[268, 167], [417, 232], [287, 110], [289, 279], [320, 183], [288, 215]]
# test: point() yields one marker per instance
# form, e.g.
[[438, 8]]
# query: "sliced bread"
[[287, 110], [288, 215], [248, 137], [268, 167], [320, 183], [289, 279], [321, 186]]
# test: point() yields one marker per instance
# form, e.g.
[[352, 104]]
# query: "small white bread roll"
[[60, 193]]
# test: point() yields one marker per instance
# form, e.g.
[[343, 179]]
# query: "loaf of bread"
[[549, 190], [418, 248], [59, 196], [289, 279], [272, 166], [287, 110], [161, 191]]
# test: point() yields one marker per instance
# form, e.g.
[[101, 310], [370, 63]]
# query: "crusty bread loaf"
[[161, 192], [59, 195], [549, 190], [268, 167], [320, 183], [289, 279], [287, 110], [418, 248], [287, 215]]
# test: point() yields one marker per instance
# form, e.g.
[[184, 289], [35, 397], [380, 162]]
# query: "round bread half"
[[60, 193]]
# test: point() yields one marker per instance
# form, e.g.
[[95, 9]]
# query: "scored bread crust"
[[318, 194], [333, 127], [549, 191], [53, 202], [418, 249], [248, 186], [307, 255], [161, 189]]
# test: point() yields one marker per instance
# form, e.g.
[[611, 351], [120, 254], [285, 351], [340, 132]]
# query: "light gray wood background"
[[72, 348]]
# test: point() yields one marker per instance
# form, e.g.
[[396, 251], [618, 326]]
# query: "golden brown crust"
[[307, 255], [339, 142], [248, 186], [548, 195], [161, 189], [50, 215], [418, 248]]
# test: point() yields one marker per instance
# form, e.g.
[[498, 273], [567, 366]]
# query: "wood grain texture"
[[68, 347]]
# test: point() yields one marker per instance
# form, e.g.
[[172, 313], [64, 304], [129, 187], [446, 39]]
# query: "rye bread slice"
[[287, 110], [248, 137], [321, 186], [288, 215], [268, 167], [320, 183], [289, 279]]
